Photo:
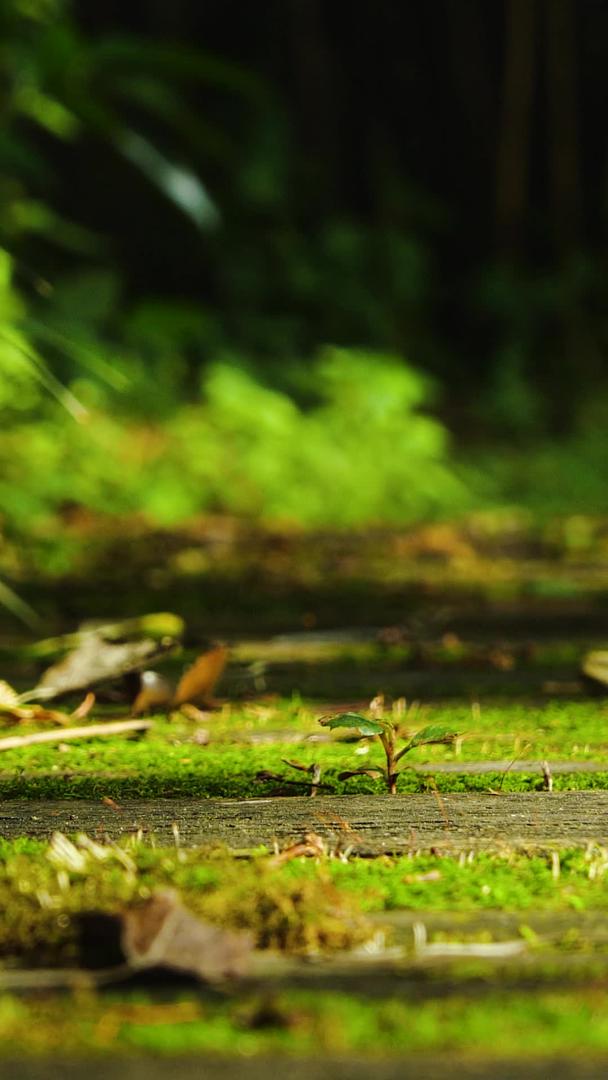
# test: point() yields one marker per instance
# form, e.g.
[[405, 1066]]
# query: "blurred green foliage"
[[213, 264], [110, 442]]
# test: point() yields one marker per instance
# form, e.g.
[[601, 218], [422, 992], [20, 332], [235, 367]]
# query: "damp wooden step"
[[365, 824], [413, 1067]]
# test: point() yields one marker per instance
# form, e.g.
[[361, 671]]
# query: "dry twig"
[[91, 731]]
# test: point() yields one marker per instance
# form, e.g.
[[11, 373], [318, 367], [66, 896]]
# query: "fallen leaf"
[[8, 696], [314, 771], [192, 712], [594, 668], [197, 683], [159, 625], [108, 801], [96, 660], [155, 694], [312, 845], [376, 707], [162, 933], [85, 707], [13, 709]]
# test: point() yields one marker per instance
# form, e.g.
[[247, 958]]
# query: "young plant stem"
[[388, 741]]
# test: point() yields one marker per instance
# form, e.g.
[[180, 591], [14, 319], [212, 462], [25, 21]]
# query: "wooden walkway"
[[366, 824], [413, 1067]]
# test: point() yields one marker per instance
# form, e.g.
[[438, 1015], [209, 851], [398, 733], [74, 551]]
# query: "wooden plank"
[[369, 824], [414, 1067]]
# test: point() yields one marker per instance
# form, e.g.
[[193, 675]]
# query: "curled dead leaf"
[[162, 933], [8, 696], [312, 845], [155, 694], [96, 660], [13, 710], [198, 682], [85, 707], [594, 669], [192, 712]]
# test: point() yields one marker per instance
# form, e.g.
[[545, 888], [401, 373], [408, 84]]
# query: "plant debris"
[[198, 683], [15, 709], [96, 660], [195, 688], [161, 932], [594, 669]]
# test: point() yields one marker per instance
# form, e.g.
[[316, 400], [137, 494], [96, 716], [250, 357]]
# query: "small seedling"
[[387, 732]]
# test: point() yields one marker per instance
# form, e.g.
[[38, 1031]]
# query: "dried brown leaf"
[[155, 694], [95, 660], [192, 712], [197, 683], [8, 696], [312, 845], [107, 800], [85, 707], [32, 714], [162, 933]]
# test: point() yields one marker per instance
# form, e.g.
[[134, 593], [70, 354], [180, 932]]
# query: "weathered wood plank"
[[414, 1067], [370, 824]]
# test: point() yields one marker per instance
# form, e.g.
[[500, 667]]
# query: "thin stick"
[[91, 731], [24, 979]]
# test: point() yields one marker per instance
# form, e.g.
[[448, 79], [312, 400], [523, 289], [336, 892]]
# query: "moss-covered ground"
[[482, 629], [300, 908], [299, 1023], [173, 759], [300, 905]]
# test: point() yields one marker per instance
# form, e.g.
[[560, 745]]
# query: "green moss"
[[293, 1023], [302, 905], [169, 762], [41, 891]]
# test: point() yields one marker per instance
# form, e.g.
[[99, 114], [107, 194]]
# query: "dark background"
[[258, 180]]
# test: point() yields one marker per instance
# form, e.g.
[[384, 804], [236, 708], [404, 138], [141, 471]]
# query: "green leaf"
[[353, 720], [434, 733]]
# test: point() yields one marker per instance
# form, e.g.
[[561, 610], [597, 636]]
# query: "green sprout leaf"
[[434, 733], [353, 720]]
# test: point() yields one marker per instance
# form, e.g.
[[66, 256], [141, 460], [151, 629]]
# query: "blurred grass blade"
[[81, 353], [65, 397], [18, 607], [179, 184]]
